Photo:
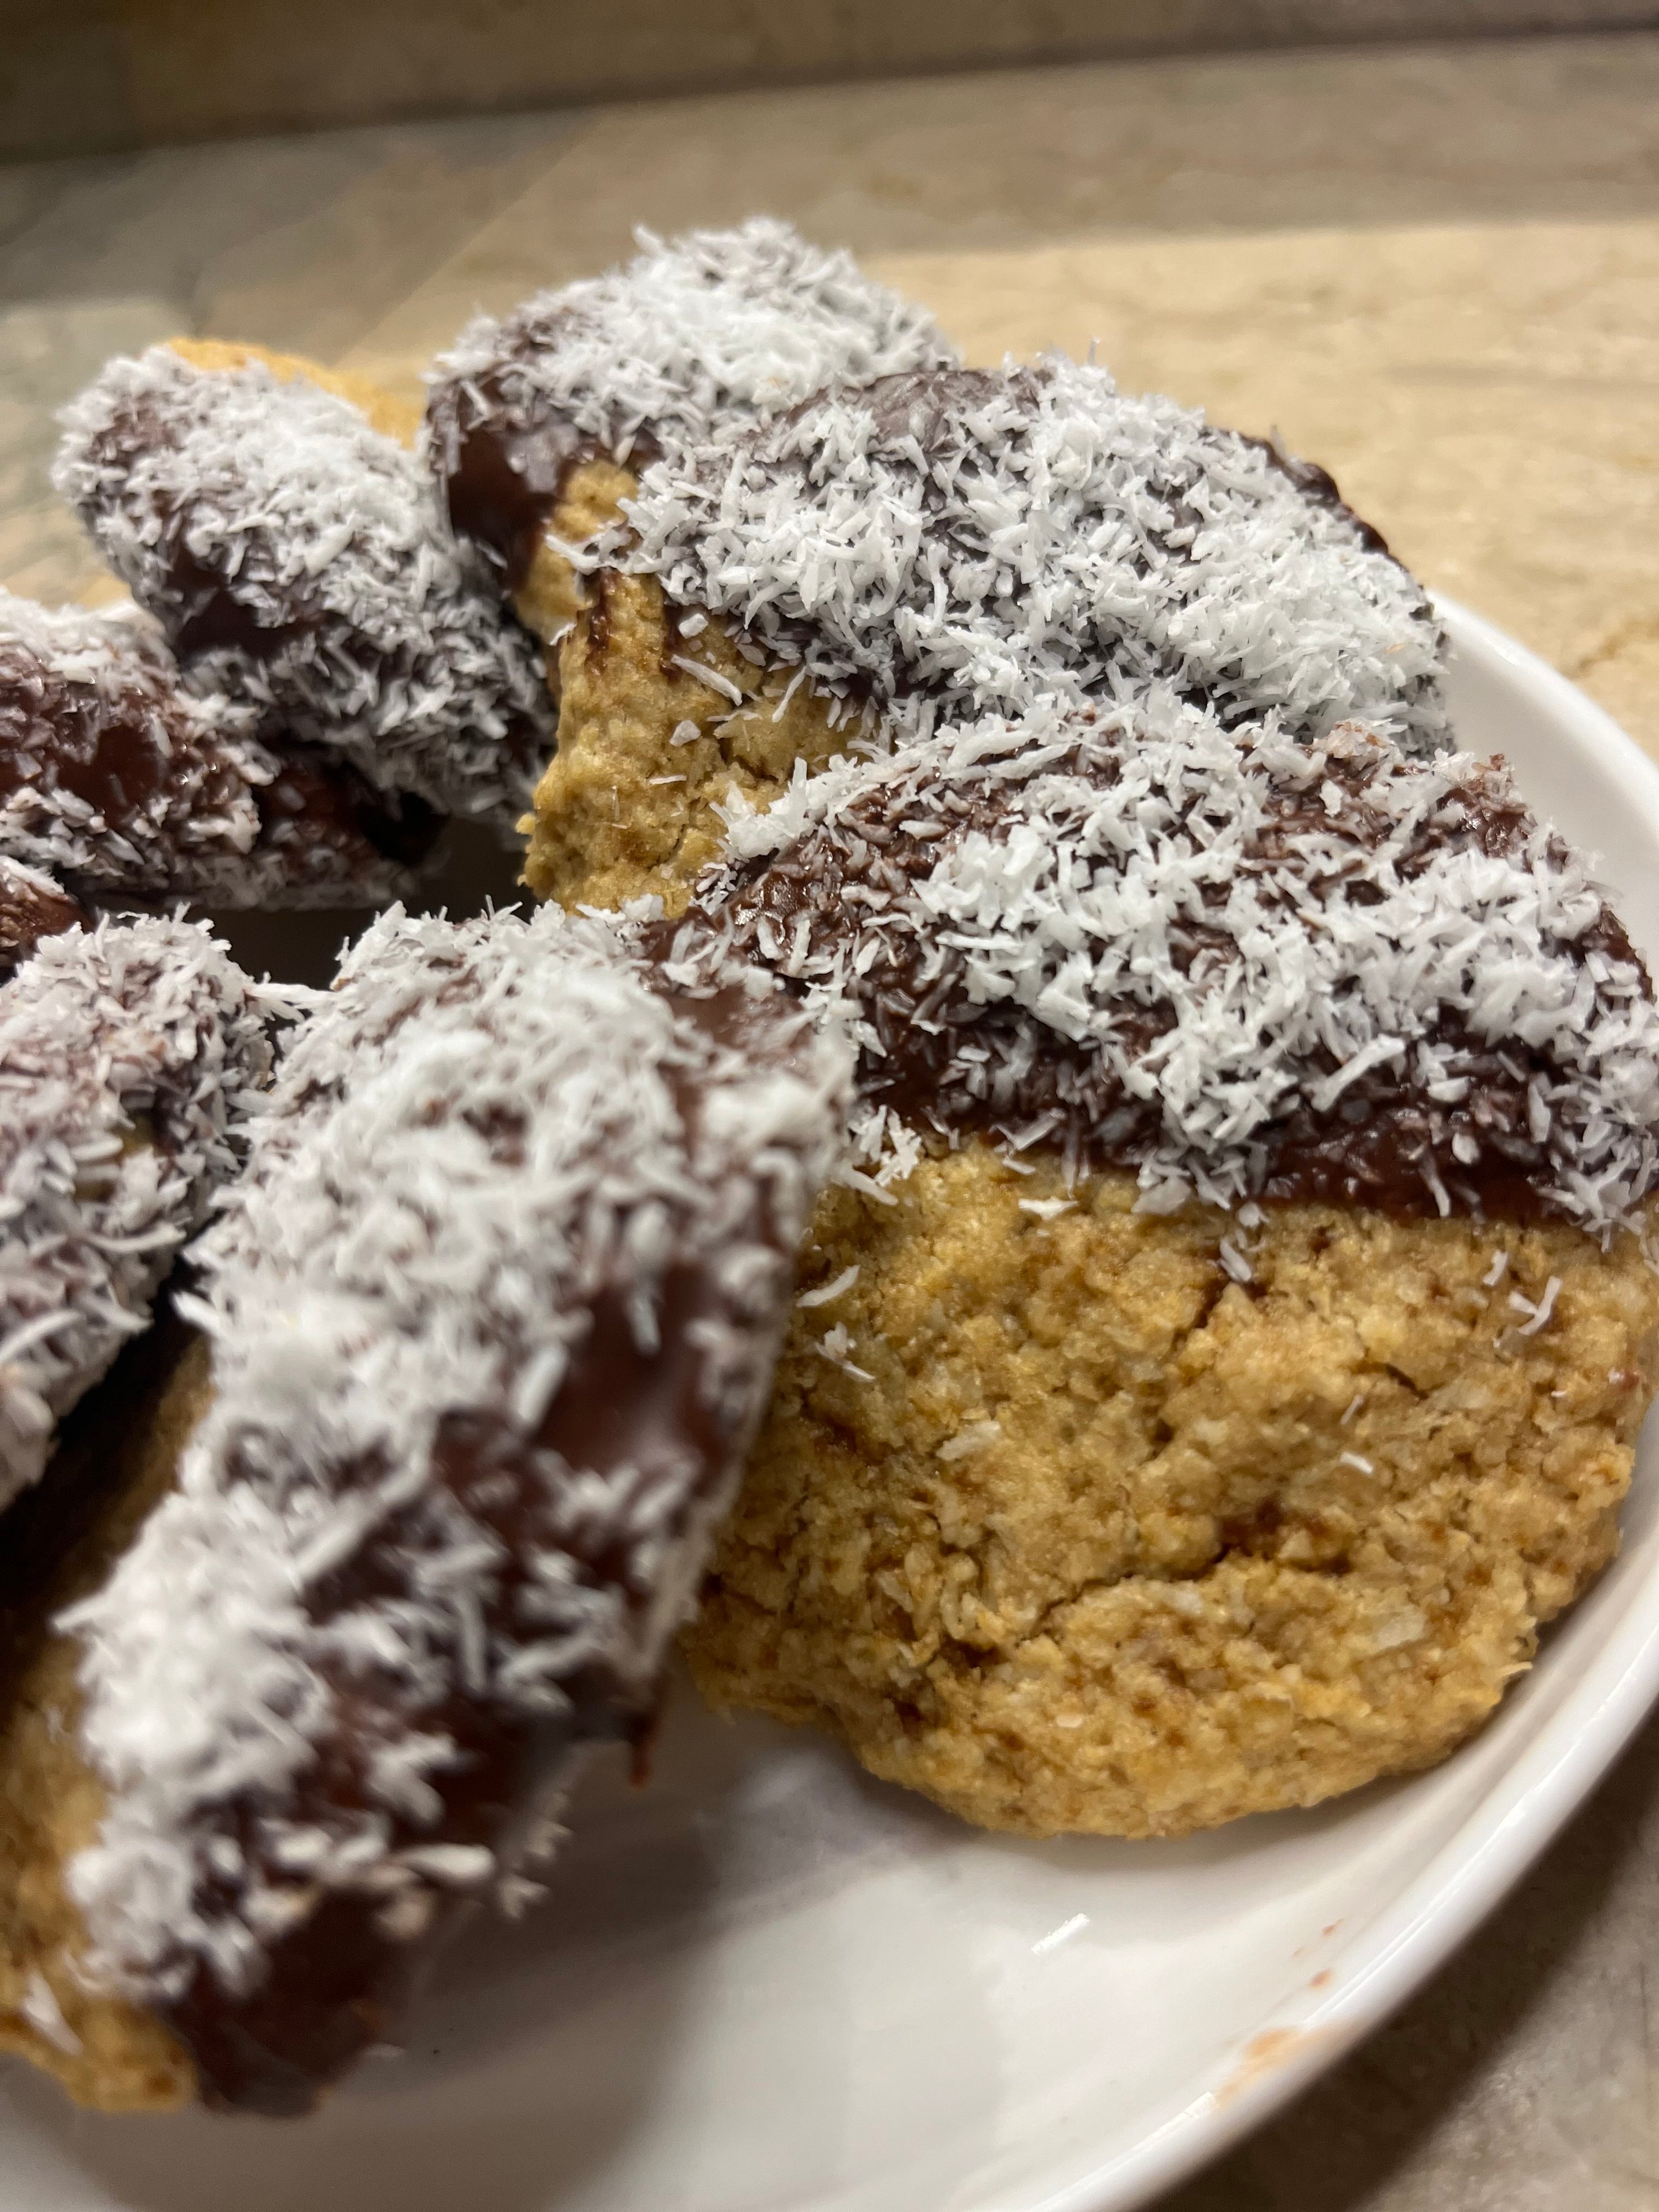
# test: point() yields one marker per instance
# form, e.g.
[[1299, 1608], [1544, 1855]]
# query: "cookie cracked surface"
[[1059, 1522]]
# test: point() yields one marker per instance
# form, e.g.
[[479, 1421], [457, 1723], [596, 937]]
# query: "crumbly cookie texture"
[[1076, 1518], [664, 720], [121, 1450]]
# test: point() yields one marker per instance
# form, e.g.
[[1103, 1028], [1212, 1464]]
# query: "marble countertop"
[[1434, 270]]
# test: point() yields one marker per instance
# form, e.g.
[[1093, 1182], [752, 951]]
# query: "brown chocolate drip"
[[504, 455], [1381, 1145], [204, 611], [919, 405], [504, 486], [28, 912], [339, 1982], [147, 763], [85, 1475], [212, 618], [1318, 485]]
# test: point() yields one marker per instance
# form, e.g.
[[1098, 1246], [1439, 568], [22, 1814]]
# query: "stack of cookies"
[[1059, 1186]]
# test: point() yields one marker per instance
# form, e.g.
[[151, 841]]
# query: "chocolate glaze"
[[347, 669], [32, 907], [108, 744], [148, 762], [86, 1476], [1381, 1146], [1317, 484], [339, 1981], [504, 453], [322, 806]]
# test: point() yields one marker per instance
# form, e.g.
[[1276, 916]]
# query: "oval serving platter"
[[766, 1984]]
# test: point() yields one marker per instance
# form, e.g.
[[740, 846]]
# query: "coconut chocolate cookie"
[[492, 1315], [946, 543], [539, 424], [129, 1055], [1232, 1345], [119, 786], [300, 563]]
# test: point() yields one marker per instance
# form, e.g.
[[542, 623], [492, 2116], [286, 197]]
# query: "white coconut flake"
[[1540, 1316], [973, 1439], [43, 2014], [1234, 1262], [189, 802], [837, 1347], [693, 337]]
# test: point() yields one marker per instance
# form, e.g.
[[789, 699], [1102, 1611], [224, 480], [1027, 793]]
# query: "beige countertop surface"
[[1434, 270]]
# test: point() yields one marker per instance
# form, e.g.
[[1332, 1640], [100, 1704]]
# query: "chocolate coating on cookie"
[[300, 564], [966, 541], [128, 1056], [494, 1315], [688, 339], [125, 787], [1248, 968], [32, 906]]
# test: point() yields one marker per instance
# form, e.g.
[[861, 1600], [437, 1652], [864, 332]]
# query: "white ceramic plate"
[[768, 1984]]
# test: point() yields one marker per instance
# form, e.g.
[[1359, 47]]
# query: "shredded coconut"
[[973, 1439], [489, 1137], [1537, 1317], [966, 542], [130, 1055], [122, 786], [691, 337], [45, 2014], [300, 564], [1132, 936]]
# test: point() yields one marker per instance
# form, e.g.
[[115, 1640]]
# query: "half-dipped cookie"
[[491, 1319]]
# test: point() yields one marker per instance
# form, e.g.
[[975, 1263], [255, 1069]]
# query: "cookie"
[[32, 905], [944, 543], [1232, 1343], [131, 1056], [300, 564], [493, 1313], [123, 788], [1060, 1522]]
